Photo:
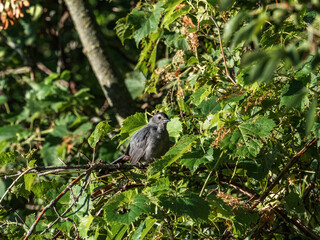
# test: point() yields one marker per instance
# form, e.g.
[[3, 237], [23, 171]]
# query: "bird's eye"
[[159, 117]]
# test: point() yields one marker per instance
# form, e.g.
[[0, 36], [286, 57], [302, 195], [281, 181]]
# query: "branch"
[[281, 174], [55, 169], [54, 201], [222, 52], [282, 213], [13, 183]]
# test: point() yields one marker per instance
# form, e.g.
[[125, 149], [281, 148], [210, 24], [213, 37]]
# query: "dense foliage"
[[238, 80]]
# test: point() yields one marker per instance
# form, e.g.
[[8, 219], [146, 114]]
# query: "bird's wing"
[[138, 144]]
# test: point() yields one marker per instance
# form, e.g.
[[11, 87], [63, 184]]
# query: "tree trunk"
[[113, 88]]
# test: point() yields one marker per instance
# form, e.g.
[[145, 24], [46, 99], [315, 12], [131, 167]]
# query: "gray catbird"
[[151, 141]]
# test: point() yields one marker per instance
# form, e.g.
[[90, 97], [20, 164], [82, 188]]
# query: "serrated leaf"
[[174, 153], [194, 159], [190, 206], [7, 157], [247, 139], [149, 23], [147, 58], [126, 207], [132, 124], [101, 131], [123, 29]]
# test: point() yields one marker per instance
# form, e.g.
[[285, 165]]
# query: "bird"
[[148, 143]]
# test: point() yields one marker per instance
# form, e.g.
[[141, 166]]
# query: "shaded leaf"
[[101, 131], [191, 206]]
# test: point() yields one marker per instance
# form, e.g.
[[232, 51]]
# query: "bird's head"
[[159, 118]]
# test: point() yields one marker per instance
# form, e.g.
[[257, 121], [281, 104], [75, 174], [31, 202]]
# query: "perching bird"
[[151, 141]]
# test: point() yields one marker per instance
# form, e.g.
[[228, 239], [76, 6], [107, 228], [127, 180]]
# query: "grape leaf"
[[126, 207]]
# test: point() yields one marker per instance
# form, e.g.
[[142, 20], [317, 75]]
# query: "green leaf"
[[29, 179], [311, 114], [132, 124], [259, 168], [123, 29], [200, 94], [126, 207], [101, 131], [293, 202], [117, 231], [233, 24], [174, 153], [208, 106], [292, 95], [247, 139], [3, 99], [149, 222], [194, 159], [172, 13], [7, 157], [137, 234], [41, 188], [147, 58], [174, 128], [245, 219], [149, 23], [66, 75], [190, 206], [176, 41], [9, 131], [84, 225]]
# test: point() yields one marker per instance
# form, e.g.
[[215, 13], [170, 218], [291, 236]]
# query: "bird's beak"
[[167, 120]]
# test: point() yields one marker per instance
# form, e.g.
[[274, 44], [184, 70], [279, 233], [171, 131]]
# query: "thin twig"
[[70, 167], [205, 183], [13, 183], [54, 201], [75, 199], [221, 48]]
